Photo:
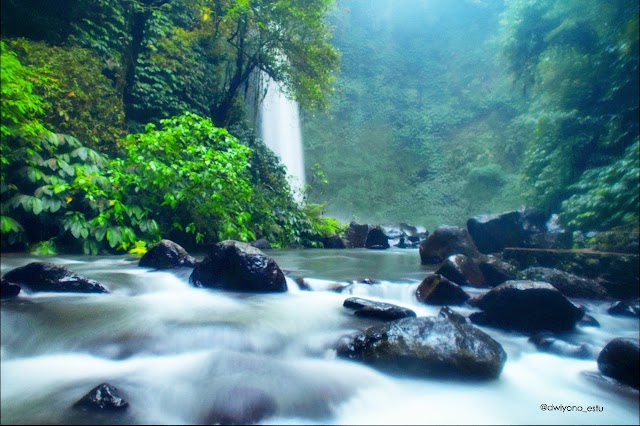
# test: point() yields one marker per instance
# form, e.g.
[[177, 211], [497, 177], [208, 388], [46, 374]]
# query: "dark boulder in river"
[[568, 284], [236, 266], [619, 360], [104, 397], [378, 310], [493, 232], [427, 347], [445, 241], [8, 289], [462, 270], [43, 276], [376, 239], [166, 255], [357, 234], [438, 290], [528, 306]]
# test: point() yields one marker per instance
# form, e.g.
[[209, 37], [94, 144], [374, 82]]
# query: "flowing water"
[[177, 352], [280, 131]]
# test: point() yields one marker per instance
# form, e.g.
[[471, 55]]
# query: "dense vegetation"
[[446, 109], [578, 60], [130, 120], [114, 117]]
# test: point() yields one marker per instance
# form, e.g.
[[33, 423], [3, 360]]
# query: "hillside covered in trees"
[[130, 120], [448, 109]]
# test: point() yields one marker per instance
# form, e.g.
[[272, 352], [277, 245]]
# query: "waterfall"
[[280, 129]]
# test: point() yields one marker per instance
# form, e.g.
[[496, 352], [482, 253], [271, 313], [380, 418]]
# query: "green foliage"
[[21, 108], [579, 62], [65, 190], [44, 248], [324, 226], [76, 98], [192, 176], [606, 196]]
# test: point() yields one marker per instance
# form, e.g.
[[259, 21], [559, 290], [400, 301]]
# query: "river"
[[177, 352]]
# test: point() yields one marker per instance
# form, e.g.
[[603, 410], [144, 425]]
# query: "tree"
[[578, 60]]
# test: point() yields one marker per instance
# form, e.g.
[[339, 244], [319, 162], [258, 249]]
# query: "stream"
[[177, 352]]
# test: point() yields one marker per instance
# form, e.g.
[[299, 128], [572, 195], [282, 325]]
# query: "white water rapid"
[[280, 129], [177, 353]]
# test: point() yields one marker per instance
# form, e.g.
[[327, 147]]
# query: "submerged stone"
[[378, 310]]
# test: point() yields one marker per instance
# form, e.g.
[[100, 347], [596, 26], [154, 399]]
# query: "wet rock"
[[43, 276], [378, 310], [357, 234], [436, 289], [376, 239], [447, 312], [166, 255], [528, 306], [619, 360], [445, 241], [104, 397], [493, 232], [617, 273], [568, 284], [547, 342], [462, 270], [243, 406], [401, 243], [236, 266], [588, 321], [262, 244], [8, 289], [333, 242], [427, 346], [625, 309], [496, 271]]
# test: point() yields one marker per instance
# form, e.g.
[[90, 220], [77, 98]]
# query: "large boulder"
[[333, 242], [619, 360], [618, 273], [44, 276], [445, 241], [8, 289], [376, 239], [104, 397], [378, 310], [493, 232], [462, 270], [438, 290], [166, 255], [528, 306], [357, 234], [427, 346], [496, 271], [569, 284], [236, 266]]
